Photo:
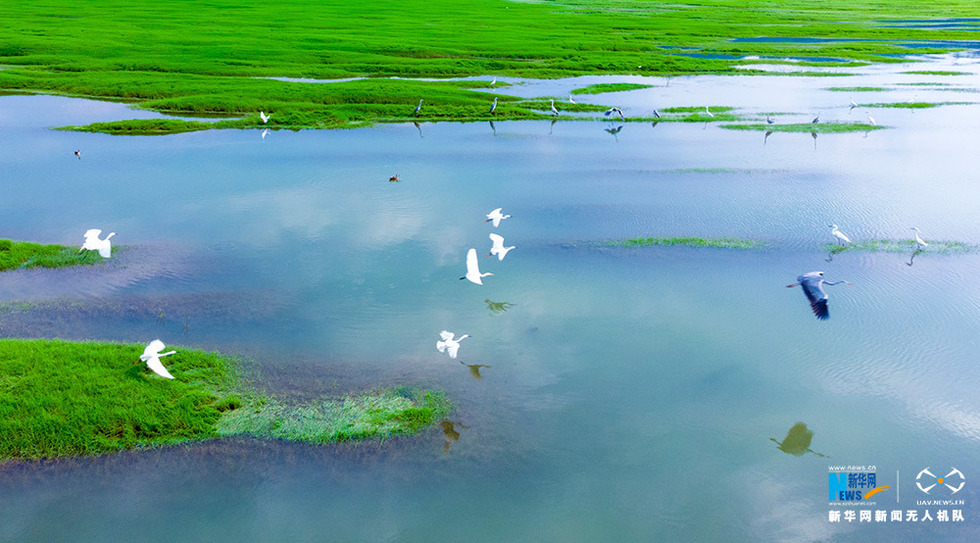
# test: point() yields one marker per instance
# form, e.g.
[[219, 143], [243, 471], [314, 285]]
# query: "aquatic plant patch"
[[24, 254], [60, 398], [820, 128], [600, 88], [902, 246], [714, 243]]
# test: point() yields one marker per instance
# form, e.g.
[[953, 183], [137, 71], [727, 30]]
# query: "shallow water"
[[632, 392]]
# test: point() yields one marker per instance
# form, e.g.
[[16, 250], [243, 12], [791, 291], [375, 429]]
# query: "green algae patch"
[[25, 254], [916, 105], [600, 88], [714, 243], [857, 89], [61, 399], [902, 246], [820, 128], [146, 127], [935, 72], [374, 414]]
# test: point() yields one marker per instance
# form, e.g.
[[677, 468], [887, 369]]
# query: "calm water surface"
[[632, 392]]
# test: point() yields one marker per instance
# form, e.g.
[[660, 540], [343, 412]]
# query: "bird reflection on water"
[[475, 369], [797, 441], [496, 308], [452, 435]]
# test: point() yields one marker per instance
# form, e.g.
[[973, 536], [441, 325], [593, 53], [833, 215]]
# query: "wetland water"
[[632, 392]]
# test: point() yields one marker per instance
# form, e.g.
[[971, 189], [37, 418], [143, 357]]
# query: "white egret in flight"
[[617, 111], [496, 216], [265, 118], [448, 344], [473, 268], [498, 246], [812, 283], [93, 243], [151, 355], [841, 238]]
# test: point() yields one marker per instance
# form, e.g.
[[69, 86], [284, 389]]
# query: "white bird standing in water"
[[151, 355], [265, 118], [494, 82], [498, 246], [494, 106], [93, 243], [570, 101], [812, 283], [872, 120], [710, 114], [473, 268], [418, 108], [448, 344], [919, 242], [496, 216], [553, 110], [841, 238]]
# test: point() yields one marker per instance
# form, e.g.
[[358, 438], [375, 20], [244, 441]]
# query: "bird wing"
[[153, 349], [441, 346], [92, 233], [105, 250], [816, 296], [472, 264], [453, 348], [446, 335], [498, 243], [154, 364]]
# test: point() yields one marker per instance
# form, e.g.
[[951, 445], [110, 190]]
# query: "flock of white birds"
[[450, 343]]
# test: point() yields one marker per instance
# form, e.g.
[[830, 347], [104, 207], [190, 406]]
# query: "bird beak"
[[488, 255], [848, 283]]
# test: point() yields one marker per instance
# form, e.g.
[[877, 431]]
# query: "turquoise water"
[[632, 392]]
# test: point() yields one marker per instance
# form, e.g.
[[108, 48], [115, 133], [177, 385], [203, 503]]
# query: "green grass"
[[211, 60], [820, 128], [934, 72], [61, 399], [901, 246], [24, 254], [715, 243], [916, 105], [857, 89], [600, 88]]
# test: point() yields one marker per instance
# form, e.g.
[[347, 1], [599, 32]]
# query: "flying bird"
[[853, 105], [265, 118], [553, 110], [841, 238], [449, 343], [812, 283], [473, 274], [498, 246], [78, 153], [475, 369], [617, 111], [418, 108], [710, 114], [151, 355], [769, 119], [815, 120], [494, 106], [93, 243], [919, 242], [872, 120], [393, 179], [496, 216]]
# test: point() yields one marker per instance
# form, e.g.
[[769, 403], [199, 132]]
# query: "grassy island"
[[321, 64], [24, 254], [716, 243], [61, 399], [901, 246]]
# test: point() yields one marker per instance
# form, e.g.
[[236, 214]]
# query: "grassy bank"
[[24, 254], [901, 246], [211, 59], [62, 399]]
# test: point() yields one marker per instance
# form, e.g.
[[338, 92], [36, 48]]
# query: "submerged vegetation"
[[901, 246], [193, 65], [25, 254], [716, 243], [61, 398], [820, 128]]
